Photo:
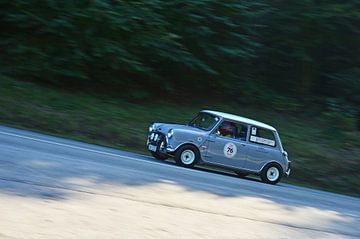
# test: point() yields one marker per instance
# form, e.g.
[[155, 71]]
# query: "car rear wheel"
[[271, 173], [187, 156]]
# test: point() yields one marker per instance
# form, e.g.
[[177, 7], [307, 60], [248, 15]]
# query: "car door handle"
[[243, 145]]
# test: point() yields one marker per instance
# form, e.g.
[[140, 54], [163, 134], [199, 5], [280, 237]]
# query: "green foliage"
[[340, 116], [132, 44], [287, 54], [310, 47]]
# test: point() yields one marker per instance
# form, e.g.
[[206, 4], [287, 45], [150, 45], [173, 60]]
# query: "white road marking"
[[93, 150]]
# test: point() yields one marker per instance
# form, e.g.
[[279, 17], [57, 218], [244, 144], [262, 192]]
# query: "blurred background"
[[102, 70]]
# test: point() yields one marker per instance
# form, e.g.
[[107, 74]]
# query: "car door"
[[227, 145]]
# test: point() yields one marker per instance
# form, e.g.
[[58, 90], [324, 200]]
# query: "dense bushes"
[[254, 51]]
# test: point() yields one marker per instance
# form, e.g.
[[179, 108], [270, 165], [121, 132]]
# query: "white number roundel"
[[230, 150]]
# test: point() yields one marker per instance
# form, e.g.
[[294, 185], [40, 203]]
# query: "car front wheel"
[[187, 156], [271, 173]]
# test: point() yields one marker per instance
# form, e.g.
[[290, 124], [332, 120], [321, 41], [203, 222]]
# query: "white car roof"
[[240, 119]]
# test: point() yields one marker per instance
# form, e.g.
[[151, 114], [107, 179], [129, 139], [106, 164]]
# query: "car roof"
[[240, 118]]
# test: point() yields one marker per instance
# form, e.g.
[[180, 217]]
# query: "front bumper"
[[170, 149], [158, 140]]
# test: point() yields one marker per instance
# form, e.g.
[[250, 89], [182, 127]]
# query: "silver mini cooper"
[[229, 141]]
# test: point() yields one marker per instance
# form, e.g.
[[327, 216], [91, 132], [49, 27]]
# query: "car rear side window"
[[262, 136]]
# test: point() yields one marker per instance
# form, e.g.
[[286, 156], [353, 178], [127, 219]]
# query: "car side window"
[[262, 136], [232, 130]]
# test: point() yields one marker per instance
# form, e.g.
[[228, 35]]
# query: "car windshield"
[[204, 121]]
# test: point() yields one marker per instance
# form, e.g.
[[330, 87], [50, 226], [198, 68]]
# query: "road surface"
[[57, 188]]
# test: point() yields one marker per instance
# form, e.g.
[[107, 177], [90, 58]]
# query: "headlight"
[[170, 133], [151, 128]]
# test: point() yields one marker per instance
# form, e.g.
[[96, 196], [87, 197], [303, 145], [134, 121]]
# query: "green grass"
[[323, 157]]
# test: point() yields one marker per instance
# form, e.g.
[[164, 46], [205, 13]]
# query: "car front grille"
[[155, 137]]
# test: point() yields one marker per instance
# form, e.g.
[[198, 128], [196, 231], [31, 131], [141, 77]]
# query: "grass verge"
[[322, 156]]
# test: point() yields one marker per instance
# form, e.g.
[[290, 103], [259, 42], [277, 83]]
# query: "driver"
[[227, 129]]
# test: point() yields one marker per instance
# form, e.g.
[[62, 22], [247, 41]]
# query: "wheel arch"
[[185, 144], [184, 147], [273, 162]]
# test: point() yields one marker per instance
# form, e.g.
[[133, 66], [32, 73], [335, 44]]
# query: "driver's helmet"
[[227, 128]]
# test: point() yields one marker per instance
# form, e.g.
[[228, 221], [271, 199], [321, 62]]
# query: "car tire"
[[187, 156], [159, 156], [271, 173], [241, 174]]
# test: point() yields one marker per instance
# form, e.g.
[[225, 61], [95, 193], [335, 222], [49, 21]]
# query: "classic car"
[[236, 143]]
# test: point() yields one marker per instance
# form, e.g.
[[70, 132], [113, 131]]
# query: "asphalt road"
[[57, 188]]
